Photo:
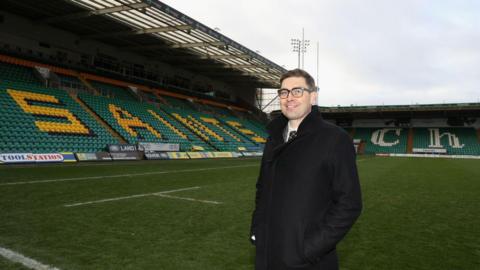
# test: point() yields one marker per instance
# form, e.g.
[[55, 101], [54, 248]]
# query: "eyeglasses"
[[296, 92]]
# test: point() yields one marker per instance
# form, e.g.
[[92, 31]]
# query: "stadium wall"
[[435, 122], [429, 122], [370, 123]]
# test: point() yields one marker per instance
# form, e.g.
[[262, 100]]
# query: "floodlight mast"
[[296, 48], [300, 47], [318, 88]]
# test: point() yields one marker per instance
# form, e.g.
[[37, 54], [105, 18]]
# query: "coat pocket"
[[294, 256], [312, 228], [302, 241]]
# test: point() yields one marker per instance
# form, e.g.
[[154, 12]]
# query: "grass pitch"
[[418, 214]]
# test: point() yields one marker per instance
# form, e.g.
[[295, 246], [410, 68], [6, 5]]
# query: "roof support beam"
[[236, 74], [141, 31], [174, 46], [102, 11], [211, 57], [198, 44], [269, 83], [229, 56], [206, 66]]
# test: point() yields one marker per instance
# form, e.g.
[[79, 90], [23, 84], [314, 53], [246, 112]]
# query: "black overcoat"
[[308, 196]]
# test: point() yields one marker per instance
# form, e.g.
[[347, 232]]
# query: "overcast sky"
[[370, 52]]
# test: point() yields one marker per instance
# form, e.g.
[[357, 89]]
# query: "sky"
[[370, 52]]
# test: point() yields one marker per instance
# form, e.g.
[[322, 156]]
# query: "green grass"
[[418, 214]]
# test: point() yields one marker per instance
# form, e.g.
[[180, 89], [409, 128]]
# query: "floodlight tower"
[[304, 46], [296, 48], [300, 47]]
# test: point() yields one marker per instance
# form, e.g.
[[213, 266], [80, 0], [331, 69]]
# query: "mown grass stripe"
[[121, 175]]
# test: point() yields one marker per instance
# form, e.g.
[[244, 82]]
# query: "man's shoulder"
[[331, 129], [335, 138], [276, 125]]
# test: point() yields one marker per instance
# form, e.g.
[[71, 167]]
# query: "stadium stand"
[[238, 122], [38, 119], [246, 128], [178, 103], [457, 141], [151, 97], [71, 82], [140, 122], [206, 126], [152, 87], [450, 129], [16, 73], [383, 140], [57, 121], [112, 91]]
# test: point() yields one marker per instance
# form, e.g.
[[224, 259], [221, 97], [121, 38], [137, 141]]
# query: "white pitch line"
[[128, 197], [109, 200], [120, 175], [186, 198], [25, 261]]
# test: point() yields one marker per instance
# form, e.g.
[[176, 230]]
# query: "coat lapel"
[[276, 129]]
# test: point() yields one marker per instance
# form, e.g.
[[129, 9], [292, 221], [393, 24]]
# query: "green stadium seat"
[[383, 140], [113, 91], [146, 124], [20, 130], [457, 141]]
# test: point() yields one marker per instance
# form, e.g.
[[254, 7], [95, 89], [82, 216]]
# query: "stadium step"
[[88, 85], [134, 94], [99, 120]]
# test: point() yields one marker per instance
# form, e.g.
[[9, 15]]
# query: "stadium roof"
[[403, 108], [413, 111], [157, 31], [428, 111]]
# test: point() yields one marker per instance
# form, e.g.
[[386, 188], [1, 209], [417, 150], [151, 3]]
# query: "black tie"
[[292, 135]]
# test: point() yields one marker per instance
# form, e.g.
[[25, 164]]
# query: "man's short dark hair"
[[300, 73]]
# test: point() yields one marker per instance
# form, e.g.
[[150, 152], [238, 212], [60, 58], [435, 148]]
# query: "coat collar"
[[311, 122]]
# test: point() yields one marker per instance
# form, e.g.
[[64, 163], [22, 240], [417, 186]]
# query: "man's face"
[[296, 108]]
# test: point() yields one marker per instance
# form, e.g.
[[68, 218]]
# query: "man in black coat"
[[308, 193]]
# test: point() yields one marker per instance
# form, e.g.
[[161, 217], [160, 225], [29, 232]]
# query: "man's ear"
[[313, 98]]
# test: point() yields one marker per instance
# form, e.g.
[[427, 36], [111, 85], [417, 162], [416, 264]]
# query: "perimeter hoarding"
[[126, 155], [158, 147], [222, 154], [98, 156], [123, 148], [199, 155], [178, 155], [156, 155], [11, 158]]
